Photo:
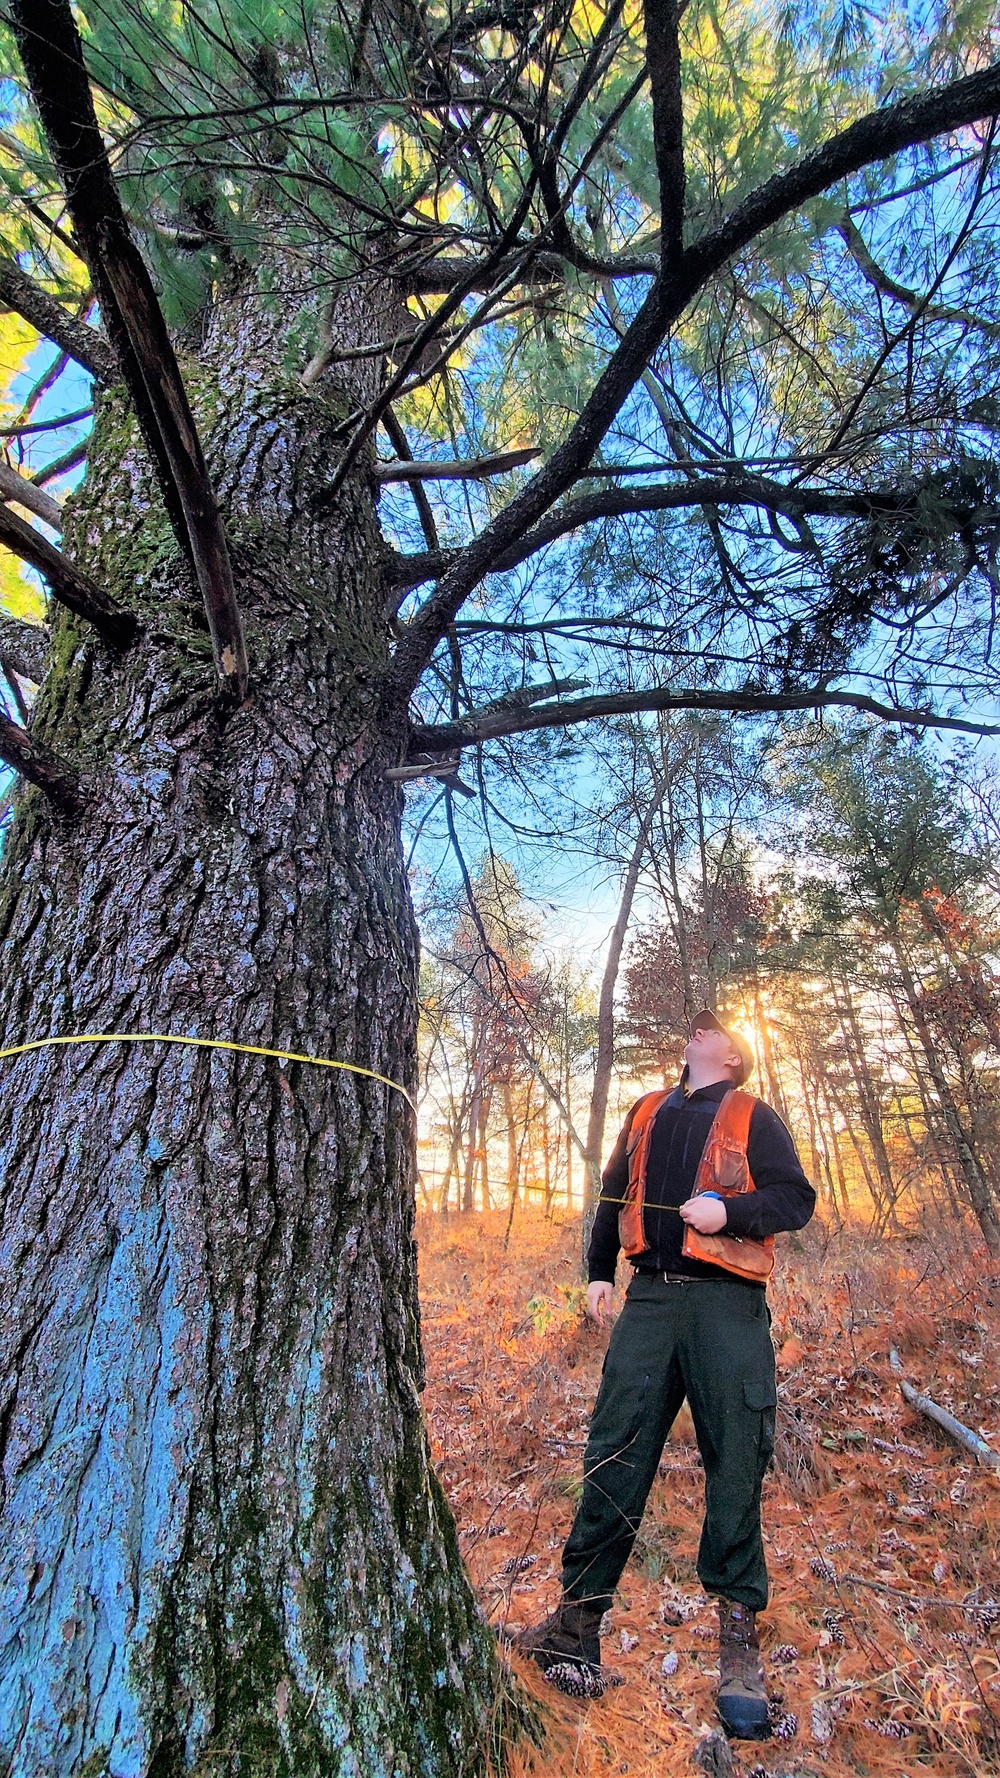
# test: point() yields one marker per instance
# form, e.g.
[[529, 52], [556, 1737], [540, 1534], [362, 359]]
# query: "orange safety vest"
[[723, 1168]]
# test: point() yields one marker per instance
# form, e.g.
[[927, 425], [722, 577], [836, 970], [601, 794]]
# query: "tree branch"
[[875, 137], [795, 503], [911, 299], [24, 648], [882, 133], [48, 317], [396, 435], [59, 465], [663, 59], [489, 725], [471, 469], [50, 49], [69, 584], [436, 277], [18, 488], [33, 760]]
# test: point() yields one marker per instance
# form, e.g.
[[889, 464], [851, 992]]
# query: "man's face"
[[708, 1046]]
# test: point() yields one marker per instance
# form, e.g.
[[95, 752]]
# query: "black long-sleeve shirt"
[[783, 1198]]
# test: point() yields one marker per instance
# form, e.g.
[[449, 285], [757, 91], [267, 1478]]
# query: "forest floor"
[[882, 1639]]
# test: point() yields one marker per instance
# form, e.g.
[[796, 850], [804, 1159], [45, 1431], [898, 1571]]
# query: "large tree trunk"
[[220, 1538]]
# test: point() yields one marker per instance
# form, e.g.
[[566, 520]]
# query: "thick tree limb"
[[875, 137], [795, 503], [18, 488], [403, 573], [69, 585], [48, 317], [489, 725], [36, 762], [436, 276], [663, 59], [882, 133], [471, 469], [50, 49], [24, 648]]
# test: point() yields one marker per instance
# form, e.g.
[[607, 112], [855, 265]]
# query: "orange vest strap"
[[733, 1117], [631, 1233]]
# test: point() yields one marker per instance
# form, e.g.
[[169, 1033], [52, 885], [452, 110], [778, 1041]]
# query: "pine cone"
[[888, 1726], [518, 1564], [784, 1654], [786, 1727]]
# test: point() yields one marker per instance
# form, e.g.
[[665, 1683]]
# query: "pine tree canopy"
[[684, 376]]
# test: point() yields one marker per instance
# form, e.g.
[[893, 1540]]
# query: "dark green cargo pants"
[[707, 1339]]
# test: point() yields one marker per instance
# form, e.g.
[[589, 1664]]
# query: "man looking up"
[[698, 1182]]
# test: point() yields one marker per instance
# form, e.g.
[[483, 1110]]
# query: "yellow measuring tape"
[[203, 1043]]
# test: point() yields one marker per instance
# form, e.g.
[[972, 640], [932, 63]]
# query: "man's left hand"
[[707, 1215]]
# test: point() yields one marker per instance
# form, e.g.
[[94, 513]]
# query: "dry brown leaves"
[[883, 1634]]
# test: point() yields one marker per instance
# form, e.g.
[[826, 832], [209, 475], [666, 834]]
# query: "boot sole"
[[747, 1729]]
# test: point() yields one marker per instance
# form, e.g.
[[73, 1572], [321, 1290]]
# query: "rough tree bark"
[[219, 1529]]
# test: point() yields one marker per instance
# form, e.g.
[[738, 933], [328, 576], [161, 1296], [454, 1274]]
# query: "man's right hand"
[[600, 1301]]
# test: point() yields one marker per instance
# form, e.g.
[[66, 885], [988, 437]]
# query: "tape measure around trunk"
[[204, 1043]]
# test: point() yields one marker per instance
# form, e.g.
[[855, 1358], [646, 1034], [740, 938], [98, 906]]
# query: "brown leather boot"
[[572, 1633], [742, 1699]]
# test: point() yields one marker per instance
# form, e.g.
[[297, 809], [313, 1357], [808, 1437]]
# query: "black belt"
[[672, 1277], [720, 1277]]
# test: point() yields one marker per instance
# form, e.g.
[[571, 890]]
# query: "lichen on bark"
[[222, 1548]]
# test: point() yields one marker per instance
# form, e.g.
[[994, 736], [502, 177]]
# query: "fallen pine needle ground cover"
[[882, 1639]]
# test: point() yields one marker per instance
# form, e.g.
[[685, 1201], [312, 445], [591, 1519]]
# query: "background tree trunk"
[[976, 1184], [220, 1538], [606, 1022]]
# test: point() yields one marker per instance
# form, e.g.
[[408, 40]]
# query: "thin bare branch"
[[900, 293], [396, 435], [26, 428], [489, 725], [59, 465], [367, 422], [69, 584], [50, 49]]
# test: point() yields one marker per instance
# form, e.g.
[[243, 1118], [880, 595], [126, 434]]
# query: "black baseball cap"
[[707, 1021]]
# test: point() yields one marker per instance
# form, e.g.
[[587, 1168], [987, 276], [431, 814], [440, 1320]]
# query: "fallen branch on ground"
[[963, 1435]]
